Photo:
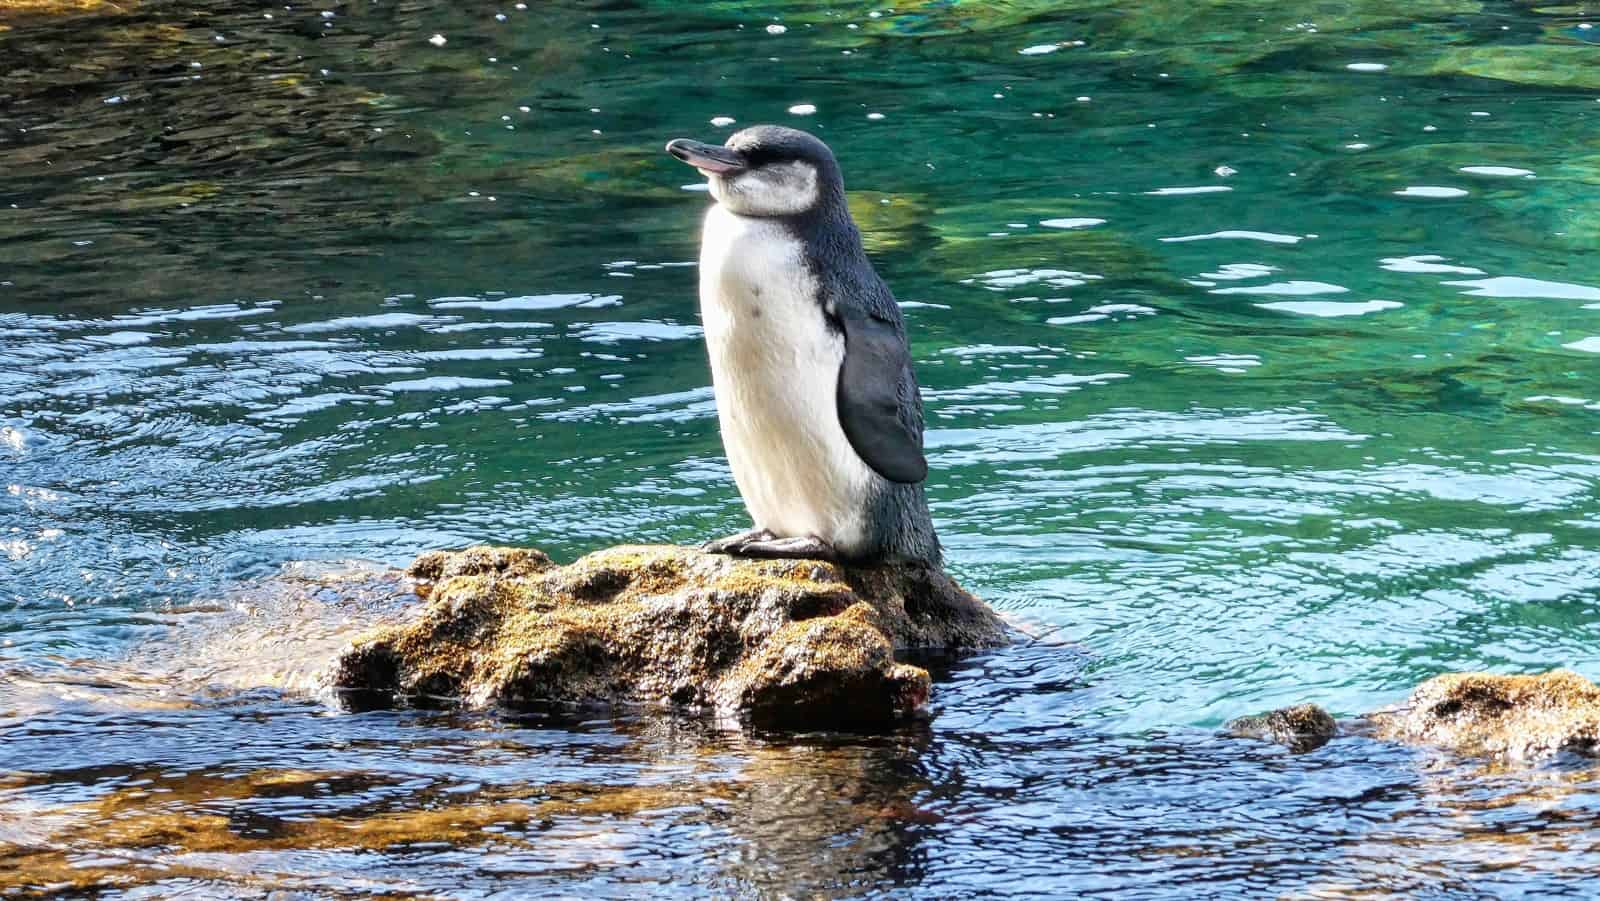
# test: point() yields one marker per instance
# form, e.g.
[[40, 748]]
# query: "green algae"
[[1545, 65]]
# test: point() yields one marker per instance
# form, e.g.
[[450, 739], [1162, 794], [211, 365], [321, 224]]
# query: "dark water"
[[1259, 344]]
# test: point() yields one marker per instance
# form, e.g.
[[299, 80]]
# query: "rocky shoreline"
[[802, 644]]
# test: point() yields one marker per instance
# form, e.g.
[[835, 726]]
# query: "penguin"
[[819, 410]]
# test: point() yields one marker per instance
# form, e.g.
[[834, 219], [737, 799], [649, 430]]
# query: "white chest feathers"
[[775, 368]]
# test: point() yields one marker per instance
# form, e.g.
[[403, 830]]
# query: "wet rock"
[[788, 643], [1511, 717], [438, 566], [1303, 727]]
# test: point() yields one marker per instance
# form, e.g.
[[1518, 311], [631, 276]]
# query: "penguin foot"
[[808, 548], [733, 543]]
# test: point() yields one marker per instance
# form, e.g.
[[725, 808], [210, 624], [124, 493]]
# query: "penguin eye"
[[759, 155]]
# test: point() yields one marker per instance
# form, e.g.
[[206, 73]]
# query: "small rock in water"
[[789, 643], [1301, 728], [1520, 719]]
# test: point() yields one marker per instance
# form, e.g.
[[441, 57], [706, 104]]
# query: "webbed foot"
[[733, 543], [808, 547]]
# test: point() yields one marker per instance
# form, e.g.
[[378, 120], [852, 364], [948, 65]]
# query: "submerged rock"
[[1303, 727], [787, 642], [58, 7], [1541, 65], [1512, 717]]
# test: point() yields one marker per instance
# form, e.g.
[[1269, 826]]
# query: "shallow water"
[[1259, 346]]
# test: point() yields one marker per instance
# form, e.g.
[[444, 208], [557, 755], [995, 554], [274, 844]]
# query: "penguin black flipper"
[[879, 404]]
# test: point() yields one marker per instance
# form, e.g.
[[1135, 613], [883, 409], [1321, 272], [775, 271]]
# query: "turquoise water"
[[1259, 346]]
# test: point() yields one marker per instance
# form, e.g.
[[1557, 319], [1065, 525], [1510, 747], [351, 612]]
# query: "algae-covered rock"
[[1512, 717], [617, 172], [889, 221], [21, 8], [786, 642], [1303, 727], [1545, 66]]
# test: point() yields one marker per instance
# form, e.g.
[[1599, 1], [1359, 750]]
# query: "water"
[[1258, 345]]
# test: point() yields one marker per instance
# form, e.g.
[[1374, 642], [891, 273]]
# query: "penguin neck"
[[826, 230]]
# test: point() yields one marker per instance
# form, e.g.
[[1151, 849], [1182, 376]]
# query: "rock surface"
[[1510, 717], [787, 642], [1303, 727]]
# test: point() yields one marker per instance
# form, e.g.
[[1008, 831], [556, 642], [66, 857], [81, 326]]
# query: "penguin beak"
[[711, 159]]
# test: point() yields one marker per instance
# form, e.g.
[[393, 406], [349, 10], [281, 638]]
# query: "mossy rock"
[[1518, 719], [618, 172], [787, 643], [1510, 717], [1541, 65], [17, 9], [889, 221], [1303, 727]]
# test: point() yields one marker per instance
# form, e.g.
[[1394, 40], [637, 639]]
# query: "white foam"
[[482, 353], [1197, 189], [1268, 237], [1072, 223], [445, 383], [1233, 272], [1290, 287], [1503, 171], [1426, 263], [614, 332], [1516, 286], [1434, 191], [1330, 309], [380, 320], [525, 302]]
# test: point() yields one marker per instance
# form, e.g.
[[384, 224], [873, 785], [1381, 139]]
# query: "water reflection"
[[241, 798], [238, 795]]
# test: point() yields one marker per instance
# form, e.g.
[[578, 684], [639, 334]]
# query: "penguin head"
[[766, 171]]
